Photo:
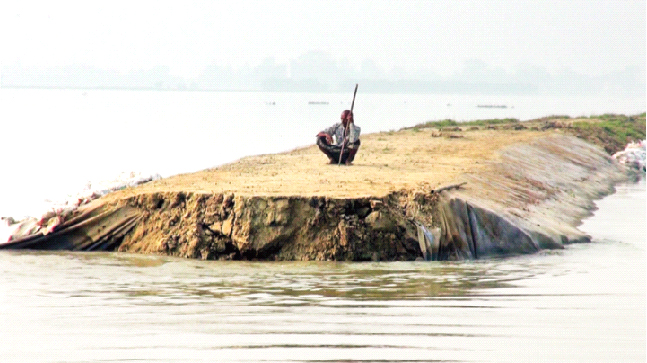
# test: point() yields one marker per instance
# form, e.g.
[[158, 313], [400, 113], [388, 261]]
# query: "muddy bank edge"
[[532, 198]]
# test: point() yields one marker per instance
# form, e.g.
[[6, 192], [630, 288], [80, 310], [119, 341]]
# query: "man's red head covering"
[[344, 115]]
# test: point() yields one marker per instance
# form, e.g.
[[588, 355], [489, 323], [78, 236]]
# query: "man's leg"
[[331, 151], [352, 150]]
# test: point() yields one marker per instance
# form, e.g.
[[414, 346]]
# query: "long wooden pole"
[[352, 105]]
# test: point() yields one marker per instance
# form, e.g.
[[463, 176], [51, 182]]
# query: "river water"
[[582, 304]]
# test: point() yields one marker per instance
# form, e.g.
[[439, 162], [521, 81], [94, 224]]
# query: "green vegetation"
[[438, 124], [608, 116], [452, 123], [551, 117], [495, 121], [611, 131]]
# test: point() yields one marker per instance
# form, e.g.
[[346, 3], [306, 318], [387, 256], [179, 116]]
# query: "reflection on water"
[[585, 303]]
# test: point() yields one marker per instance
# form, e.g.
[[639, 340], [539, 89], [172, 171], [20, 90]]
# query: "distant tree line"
[[318, 72]]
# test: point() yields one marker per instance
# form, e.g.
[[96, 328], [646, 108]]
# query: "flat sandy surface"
[[385, 162]]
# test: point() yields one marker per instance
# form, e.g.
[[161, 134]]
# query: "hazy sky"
[[588, 37]]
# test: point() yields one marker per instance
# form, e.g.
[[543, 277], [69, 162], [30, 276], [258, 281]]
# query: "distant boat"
[[492, 106], [318, 103]]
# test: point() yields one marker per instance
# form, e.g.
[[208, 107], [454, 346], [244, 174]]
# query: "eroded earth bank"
[[411, 194]]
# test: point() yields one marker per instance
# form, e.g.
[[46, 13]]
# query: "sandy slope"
[[386, 161]]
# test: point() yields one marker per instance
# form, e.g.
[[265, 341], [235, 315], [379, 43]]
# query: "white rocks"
[[59, 212], [633, 155]]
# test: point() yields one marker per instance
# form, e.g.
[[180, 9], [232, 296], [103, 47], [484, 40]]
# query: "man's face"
[[344, 121]]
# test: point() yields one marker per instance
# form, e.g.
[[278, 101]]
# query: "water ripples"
[[584, 303]]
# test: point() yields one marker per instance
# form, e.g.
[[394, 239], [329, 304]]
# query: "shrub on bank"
[[451, 123], [613, 132]]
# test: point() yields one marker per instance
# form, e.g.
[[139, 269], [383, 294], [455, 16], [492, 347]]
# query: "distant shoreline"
[[402, 89]]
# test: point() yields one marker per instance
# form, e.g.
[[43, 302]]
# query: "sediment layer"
[[519, 192]]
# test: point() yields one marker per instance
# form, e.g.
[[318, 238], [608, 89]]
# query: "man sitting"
[[350, 140]]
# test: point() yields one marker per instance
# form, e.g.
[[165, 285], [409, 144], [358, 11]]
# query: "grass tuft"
[[611, 130], [450, 123]]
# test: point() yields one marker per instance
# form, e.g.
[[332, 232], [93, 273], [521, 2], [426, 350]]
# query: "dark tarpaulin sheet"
[[97, 228]]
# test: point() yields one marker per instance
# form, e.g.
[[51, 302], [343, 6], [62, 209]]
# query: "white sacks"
[[633, 155]]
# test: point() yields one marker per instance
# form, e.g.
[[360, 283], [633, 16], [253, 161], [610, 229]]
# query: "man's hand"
[[328, 137]]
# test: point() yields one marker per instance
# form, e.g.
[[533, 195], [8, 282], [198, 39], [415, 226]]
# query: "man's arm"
[[329, 132], [327, 136], [353, 133]]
